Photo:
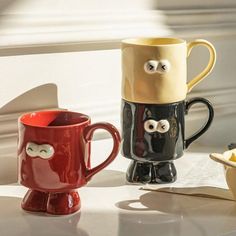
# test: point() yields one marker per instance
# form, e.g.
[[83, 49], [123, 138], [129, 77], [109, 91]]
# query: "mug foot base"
[[139, 172], [35, 201], [51, 203], [63, 203], [152, 173], [164, 172]]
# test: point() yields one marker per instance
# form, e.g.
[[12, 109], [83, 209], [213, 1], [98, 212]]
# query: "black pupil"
[[151, 126], [151, 67]]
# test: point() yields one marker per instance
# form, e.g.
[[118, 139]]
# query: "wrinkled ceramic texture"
[[53, 180], [159, 88], [145, 147]]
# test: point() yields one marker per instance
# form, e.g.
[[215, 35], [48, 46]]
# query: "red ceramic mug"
[[54, 158]]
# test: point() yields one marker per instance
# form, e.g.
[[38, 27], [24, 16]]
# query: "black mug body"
[[142, 144], [153, 135]]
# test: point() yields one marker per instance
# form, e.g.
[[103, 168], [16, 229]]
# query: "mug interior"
[[153, 41], [53, 118]]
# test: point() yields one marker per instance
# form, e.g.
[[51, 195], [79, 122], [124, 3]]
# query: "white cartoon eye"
[[31, 149], [163, 126], [150, 126], [46, 151], [151, 66], [163, 66]]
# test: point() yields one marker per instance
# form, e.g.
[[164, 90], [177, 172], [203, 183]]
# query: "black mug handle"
[[188, 105]]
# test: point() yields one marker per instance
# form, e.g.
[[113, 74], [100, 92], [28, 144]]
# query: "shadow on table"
[[14, 221], [173, 214], [179, 204], [201, 191], [108, 178]]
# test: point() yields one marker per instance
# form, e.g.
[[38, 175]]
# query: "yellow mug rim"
[[153, 42]]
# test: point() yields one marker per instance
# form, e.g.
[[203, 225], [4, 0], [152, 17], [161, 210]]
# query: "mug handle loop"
[[209, 66], [88, 134], [188, 105]]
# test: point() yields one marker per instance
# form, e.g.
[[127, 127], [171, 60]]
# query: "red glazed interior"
[[53, 118]]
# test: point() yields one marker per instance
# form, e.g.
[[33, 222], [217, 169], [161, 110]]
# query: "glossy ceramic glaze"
[[151, 172], [154, 70], [148, 146], [54, 158], [110, 207]]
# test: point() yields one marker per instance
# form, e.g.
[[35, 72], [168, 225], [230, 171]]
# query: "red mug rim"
[[28, 118]]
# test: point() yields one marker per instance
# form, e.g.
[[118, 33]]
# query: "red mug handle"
[[88, 134]]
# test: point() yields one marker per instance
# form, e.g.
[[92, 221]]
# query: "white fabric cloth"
[[201, 177]]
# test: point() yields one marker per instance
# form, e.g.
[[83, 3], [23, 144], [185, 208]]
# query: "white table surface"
[[112, 207]]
